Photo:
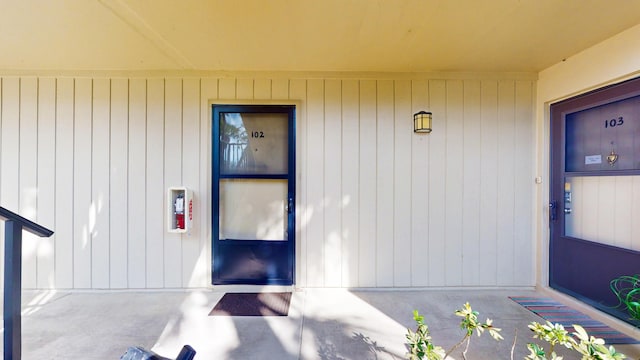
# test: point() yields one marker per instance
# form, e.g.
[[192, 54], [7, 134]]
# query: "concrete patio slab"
[[327, 324]]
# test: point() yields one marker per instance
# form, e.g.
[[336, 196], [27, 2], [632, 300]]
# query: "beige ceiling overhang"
[[305, 35]]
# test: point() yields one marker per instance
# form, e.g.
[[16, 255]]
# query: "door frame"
[[567, 255], [292, 109]]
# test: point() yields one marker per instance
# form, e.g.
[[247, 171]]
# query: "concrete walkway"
[[322, 324]]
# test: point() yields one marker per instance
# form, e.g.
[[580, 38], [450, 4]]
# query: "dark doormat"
[[253, 304]]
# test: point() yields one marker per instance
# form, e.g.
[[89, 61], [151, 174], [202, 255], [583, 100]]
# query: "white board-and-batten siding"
[[377, 205]]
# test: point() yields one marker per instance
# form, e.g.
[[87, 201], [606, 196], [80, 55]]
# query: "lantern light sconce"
[[422, 122]]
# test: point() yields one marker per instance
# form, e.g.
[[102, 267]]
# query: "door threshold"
[[235, 288]]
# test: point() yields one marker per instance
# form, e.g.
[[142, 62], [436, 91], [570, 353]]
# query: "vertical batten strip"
[[505, 200], [155, 184], [280, 89], [118, 183], [385, 183], [262, 89], [403, 131], [349, 200], [489, 158], [84, 211], [227, 89], [46, 185], [297, 90], [523, 174], [332, 247], [10, 144], [137, 184], [315, 183], [173, 177], [28, 174], [454, 187], [419, 188], [208, 92], [367, 185], [191, 165], [471, 241], [437, 184], [100, 188], [64, 182]]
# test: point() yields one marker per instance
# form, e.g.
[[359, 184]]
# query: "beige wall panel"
[[454, 150], [262, 89], [385, 185], [118, 183], [623, 221], [403, 131], [1, 222], [280, 89], [10, 144], [524, 185], [437, 184], [244, 89], [192, 242], [350, 178], [28, 140], [202, 199], [64, 215], [606, 210], [172, 177], [315, 183], [472, 165], [137, 184], [367, 185], [488, 181], [46, 180], [298, 91], [155, 187], [589, 208], [333, 183], [635, 214], [83, 208], [573, 224], [227, 89], [419, 189], [100, 189], [505, 201], [377, 204]]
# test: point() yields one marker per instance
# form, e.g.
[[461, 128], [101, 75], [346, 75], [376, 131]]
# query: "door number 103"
[[257, 134], [613, 122]]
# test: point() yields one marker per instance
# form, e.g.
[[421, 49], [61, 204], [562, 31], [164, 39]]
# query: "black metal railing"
[[13, 226]]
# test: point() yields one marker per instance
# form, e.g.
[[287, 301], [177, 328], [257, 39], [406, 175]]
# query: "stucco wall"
[[378, 206], [608, 62]]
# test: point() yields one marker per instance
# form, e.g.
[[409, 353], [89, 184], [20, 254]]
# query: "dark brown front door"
[[595, 177]]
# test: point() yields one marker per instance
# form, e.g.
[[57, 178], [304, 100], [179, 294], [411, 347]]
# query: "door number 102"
[[257, 134], [613, 122]]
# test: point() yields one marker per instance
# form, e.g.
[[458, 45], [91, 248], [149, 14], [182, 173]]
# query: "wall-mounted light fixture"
[[422, 122]]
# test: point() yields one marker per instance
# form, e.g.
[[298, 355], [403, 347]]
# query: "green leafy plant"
[[627, 290], [421, 345]]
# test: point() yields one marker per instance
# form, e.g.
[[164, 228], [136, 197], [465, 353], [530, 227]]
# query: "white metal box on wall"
[[179, 210]]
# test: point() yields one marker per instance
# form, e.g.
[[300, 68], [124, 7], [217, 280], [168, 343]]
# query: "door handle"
[[290, 205]]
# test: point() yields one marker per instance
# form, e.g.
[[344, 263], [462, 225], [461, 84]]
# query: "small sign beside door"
[[593, 159]]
